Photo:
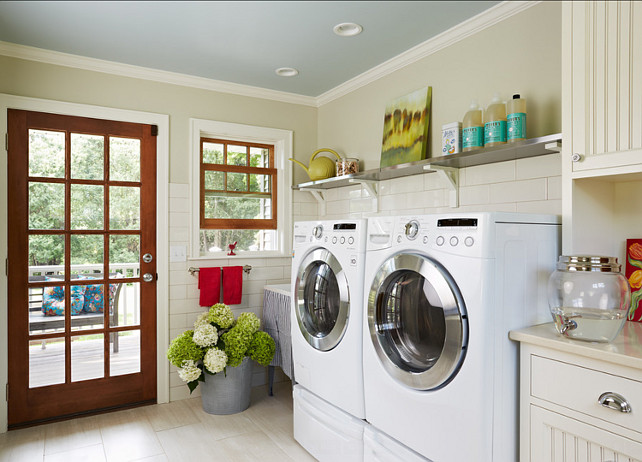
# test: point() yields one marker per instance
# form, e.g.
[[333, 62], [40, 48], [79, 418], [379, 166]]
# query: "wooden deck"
[[47, 366]]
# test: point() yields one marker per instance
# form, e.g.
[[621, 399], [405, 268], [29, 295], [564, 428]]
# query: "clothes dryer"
[[327, 311], [441, 294]]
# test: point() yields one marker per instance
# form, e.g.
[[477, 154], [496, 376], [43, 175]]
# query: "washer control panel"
[[459, 234]]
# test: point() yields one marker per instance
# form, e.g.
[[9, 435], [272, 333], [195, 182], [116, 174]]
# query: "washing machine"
[[441, 294], [327, 330]]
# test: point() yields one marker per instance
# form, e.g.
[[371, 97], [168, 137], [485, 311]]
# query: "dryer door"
[[418, 322], [322, 300]]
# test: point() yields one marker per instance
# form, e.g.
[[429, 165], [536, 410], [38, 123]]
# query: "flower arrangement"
[[218, 341]]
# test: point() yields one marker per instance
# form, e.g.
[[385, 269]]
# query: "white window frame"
[[282, 141]]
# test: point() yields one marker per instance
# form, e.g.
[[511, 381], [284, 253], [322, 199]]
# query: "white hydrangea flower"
[[215, 360], [201, 320], [205, 335], [189, 372]]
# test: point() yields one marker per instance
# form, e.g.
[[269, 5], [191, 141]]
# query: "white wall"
[[521, 54]]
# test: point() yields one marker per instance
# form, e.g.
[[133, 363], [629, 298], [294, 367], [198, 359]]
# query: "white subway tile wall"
[[525, 185], [530, 185]]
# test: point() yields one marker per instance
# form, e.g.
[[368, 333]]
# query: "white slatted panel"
[[607, 97], [636, 74], [556, 438]]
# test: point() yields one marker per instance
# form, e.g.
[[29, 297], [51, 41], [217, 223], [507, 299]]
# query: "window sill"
[[241, 256]]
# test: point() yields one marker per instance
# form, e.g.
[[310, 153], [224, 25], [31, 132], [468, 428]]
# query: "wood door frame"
[[162, 225]]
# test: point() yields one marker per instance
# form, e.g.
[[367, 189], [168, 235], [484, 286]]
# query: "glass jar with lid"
[[588, 297]]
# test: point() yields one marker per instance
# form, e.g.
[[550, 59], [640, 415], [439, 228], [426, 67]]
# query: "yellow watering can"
[[321, 167]]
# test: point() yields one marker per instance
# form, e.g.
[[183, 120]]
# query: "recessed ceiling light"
[[347, 29], [286, 72]]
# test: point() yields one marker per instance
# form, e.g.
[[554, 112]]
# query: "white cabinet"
[[601, 125], [561, 384]]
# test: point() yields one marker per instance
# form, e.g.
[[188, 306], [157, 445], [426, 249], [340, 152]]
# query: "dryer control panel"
[[339, 235]]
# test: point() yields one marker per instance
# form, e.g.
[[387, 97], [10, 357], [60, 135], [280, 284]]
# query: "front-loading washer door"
[[322, 299], [417, 320]]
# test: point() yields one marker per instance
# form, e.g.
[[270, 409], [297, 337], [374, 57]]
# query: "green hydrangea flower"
[[248, 322], [237, 341], [222, 315], [183, 348], [262, 348]]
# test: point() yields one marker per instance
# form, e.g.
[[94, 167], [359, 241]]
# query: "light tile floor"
[[177, 431]]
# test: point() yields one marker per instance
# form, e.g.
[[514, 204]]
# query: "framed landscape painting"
[[405, 128], [633, 272]]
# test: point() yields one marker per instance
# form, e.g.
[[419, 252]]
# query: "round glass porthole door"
[[418, 322], [322, 300]]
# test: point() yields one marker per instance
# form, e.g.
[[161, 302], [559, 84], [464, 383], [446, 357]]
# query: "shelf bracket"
[[370, 186], [554, 146], [318, 195], [451, 175]]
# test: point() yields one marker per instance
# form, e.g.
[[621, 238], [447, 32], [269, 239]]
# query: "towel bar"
[[246, 269]]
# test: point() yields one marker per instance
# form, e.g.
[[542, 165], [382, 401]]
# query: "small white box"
[[451, 138]]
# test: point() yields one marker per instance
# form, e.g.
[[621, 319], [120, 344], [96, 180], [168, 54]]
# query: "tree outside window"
[[238, 198]]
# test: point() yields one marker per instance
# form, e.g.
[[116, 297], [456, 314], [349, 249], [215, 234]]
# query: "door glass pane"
[[87, 202], [125, 353], [87, 253], [125, 299], [91, 316], [124, 207], [237, 182], [259, 183], [321, 299], [124, 255], [87, 156], [87, 357], [236, 155], [46, 205], [47, 308], [46, 362], [410, 321], [46, 255], [259, 157], [215, 180], [212, 153], [46, 153], [124, 159]]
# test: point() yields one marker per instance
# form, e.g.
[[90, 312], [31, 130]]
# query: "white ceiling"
[[242, 42]]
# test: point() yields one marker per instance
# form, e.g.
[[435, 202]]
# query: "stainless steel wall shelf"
[[445, 165]]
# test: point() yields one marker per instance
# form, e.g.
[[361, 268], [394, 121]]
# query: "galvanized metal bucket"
[[222, 395]]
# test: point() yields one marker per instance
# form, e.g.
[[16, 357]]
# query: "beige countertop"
[[626, 349]]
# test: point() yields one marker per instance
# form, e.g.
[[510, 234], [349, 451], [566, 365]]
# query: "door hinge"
[[154, 130], [6, 141], [6, 267], [7, 392]]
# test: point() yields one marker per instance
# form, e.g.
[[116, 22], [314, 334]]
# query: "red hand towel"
[[209, 282], [232, 284]]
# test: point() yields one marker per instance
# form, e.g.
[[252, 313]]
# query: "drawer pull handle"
[[615, 402]]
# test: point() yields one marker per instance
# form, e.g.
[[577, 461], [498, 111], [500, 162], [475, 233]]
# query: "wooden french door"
[[81, 265]]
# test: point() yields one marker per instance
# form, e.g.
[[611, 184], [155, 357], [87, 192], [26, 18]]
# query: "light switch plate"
[[177, 253]]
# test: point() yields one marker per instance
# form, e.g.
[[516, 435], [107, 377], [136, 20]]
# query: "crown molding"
[[453, 35], [138, 72], [482, 21]]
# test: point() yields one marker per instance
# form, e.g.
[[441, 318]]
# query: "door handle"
[[148, 277]]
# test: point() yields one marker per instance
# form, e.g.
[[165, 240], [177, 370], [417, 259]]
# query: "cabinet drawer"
[[579, 388]]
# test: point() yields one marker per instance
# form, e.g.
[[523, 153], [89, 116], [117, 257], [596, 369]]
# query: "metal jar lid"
[[588, 263]]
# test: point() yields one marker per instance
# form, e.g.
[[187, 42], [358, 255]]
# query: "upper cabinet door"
[[602, 84]]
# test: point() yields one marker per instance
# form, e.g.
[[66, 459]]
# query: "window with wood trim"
[[238, 194]]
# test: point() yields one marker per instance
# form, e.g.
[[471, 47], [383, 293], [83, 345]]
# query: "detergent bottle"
[[473, 128], [495, 123]]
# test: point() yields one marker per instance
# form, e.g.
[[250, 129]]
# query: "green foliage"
[[237, 341], [248, 322], [221, 315], [183, 348], [46, 200], [262, 348]]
